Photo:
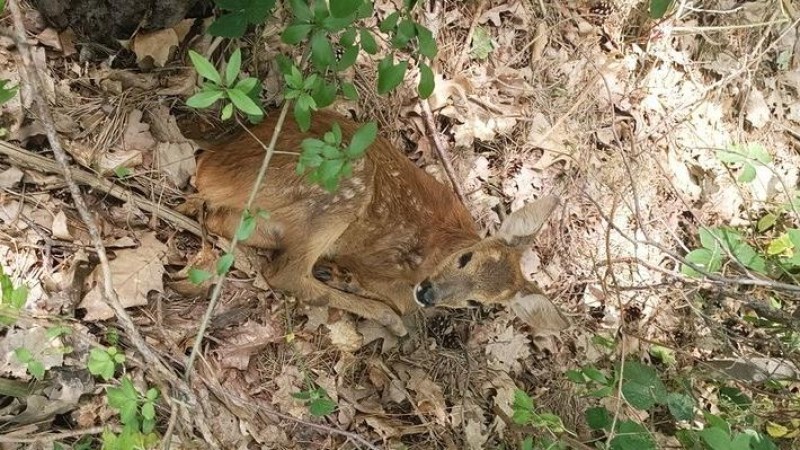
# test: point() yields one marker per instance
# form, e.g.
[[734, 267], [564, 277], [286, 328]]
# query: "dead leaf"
[[176, 160], [10, 177], [137, 134], [155, 49], [49, 37], [429, 395], [134, 274], [243, 341], [59, 227], [757, 111], [507, 348], [289, 382], [372, 331], [475, 434], [109, 162], [344, 336]]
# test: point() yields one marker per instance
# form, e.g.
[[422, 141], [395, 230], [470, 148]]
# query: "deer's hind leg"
[[293, 272]]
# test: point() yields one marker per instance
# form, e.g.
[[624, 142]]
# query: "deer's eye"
[[464, 259]]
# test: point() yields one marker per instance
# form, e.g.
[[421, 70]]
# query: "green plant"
[[525, 414], [103, 362], [13, 299], [239, 14], [745, 157], [720, 244], [658, 8], [242, 94], [34, 366], [7, 92], [329, 159], [317, 400], [137, 414]]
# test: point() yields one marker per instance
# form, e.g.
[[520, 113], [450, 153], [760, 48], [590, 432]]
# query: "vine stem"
[[215, 294]]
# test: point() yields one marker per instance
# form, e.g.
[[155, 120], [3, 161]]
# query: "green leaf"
[[321, 407], [231, 25], [224, 263], [330, 168], [638, 395], [527, 444], [125, 400], [344, 8], [294, 34], [426, 81], [389, 22], [18, 297], [766, 222], [427, 44], [321, 51], [576, 376], [60, 330], [716, 438], [630, 436], [302, 395], [306, 102], [301, 10], [680, 406], [36, 368], [523, 407], [122, 172], [759, 153], [302, 116], [367, 41], [348, 58], [204, 67], [705, 259], [780, 245], [198, 276], [233, 67], [390, 75], [595, 375], [362, 139], [598, 418], [101, 364], [152, 394], [244, 103], [227, 112], [323, 94], [246, 227], [148, 411], [23, 355], [204, 99], [349, 91], [748, 173], [481, 43], [348, 38], [658, 8], [735, 396], [405, 32]]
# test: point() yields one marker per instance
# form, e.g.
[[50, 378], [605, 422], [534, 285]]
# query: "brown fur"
[[391, 225]]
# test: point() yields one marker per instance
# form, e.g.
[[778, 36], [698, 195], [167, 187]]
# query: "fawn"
[[405, 237]]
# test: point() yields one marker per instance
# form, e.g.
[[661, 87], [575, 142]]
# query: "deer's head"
[[489, 271]]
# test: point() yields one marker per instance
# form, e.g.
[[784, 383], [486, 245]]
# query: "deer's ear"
[[521, 226], [539, 313]]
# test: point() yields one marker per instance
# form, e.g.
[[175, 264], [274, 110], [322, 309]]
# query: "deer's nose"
[[424, 293]]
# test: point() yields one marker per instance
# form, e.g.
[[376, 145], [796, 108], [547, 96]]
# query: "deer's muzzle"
[[424, 293]]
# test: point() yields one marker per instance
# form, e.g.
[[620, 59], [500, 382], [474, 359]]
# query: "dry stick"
[[218, 286], [427, 115], [465, 49], [39, 163], [51, 437], [108, 293]]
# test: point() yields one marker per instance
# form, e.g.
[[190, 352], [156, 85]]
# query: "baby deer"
[[406, 238]]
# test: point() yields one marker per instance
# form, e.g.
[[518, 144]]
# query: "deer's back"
[[399, 219]]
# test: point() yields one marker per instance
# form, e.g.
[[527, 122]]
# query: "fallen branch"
[[427, 115]]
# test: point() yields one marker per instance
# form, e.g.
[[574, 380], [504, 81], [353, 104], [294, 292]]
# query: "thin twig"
[[51, 437], [427, 115], [462, 58], [39, 163], [250, 200]]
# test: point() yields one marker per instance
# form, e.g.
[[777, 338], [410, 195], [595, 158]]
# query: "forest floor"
[[649, 130]]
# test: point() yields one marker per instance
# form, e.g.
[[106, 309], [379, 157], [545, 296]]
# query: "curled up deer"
[[404, 238]]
